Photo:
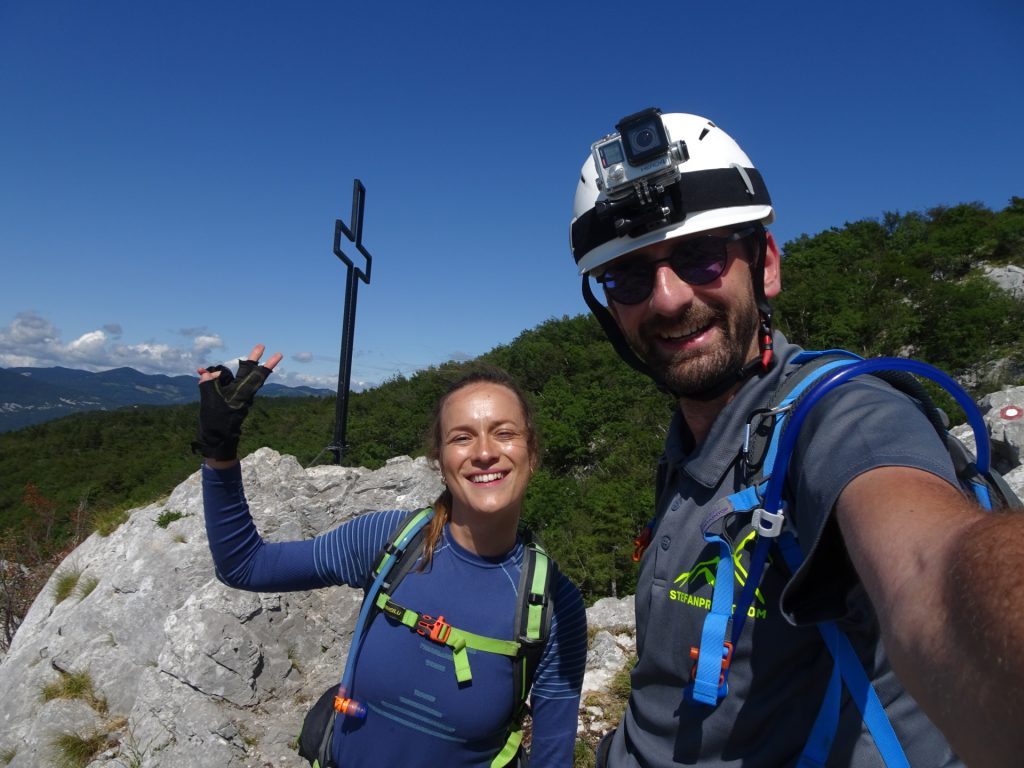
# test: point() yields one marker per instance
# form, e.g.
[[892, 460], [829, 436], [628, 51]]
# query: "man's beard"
[[692, 374]]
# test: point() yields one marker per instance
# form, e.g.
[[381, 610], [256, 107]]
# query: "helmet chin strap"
[[759, 365]]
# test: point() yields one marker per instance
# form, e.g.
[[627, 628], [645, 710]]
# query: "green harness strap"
[[533, 616], [444, 633], [392, 552]]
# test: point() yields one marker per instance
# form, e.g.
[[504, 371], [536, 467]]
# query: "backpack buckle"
[[437, 629], [767, 523]]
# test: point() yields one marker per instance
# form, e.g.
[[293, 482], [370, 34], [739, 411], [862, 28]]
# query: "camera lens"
[[643, 138]]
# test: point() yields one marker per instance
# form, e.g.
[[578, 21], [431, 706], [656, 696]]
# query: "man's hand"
[[224, 402]]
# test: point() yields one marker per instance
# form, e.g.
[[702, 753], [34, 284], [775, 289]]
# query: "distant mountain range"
[[34, 395]]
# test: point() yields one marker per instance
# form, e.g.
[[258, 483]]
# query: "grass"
[[108, 521], [168, 517], [86, 586], [65, 585], [77, 751], [75, 685], [7, 755], [612, 704], [583, 755]]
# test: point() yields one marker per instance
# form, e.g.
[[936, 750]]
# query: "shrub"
[[168, 517]]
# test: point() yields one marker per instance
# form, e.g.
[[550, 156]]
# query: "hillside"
[[911, 284], [37, 395]]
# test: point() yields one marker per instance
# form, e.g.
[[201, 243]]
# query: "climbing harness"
[[532, 622]]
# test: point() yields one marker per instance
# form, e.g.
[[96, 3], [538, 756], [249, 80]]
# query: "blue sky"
[[170, 173]]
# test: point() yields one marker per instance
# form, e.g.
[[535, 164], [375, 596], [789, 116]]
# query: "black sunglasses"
[[697, 261]]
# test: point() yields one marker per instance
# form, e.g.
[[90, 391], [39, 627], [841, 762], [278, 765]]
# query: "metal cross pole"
[[348, 324]]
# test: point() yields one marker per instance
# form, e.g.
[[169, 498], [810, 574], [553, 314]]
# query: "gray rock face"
[[194, 673], [1010, 278], [189, 673]]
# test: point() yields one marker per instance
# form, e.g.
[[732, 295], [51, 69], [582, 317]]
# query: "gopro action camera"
[[639, 155]]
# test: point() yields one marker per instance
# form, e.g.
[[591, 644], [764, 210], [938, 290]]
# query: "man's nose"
[[670, 292]]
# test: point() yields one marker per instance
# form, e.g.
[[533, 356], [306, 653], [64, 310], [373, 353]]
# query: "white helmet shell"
[[711, 200]]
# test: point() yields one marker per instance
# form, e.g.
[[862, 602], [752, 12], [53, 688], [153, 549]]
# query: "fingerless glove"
[[224, 403]]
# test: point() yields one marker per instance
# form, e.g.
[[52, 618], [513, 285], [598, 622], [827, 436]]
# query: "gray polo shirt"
[[780, 670]]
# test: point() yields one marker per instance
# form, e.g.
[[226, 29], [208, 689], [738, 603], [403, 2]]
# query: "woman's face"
[[485, 454]]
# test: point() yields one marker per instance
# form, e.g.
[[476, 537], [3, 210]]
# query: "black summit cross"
[[355, 235]]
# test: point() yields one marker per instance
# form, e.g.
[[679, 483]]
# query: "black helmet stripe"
[[694, 192]]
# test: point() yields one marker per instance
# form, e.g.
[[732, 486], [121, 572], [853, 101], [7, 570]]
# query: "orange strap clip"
[[437, 629], [640, 543], [726, 661]]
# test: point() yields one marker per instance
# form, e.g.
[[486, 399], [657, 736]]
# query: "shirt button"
[[666, 541], [675, 503]]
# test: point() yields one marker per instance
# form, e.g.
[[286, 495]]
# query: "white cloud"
[[28, 328], [203, 343], [302, 357], [88, 345], [290, 379], [33, 341]]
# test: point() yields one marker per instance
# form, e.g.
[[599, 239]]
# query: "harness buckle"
[[726, 661], [768, 524], [437, 629]]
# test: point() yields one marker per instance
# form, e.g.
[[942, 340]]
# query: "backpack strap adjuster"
[[726, 661], [768, 524]]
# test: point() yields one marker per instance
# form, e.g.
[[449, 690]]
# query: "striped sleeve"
[[346, 554], [245, 561], [555, 697]]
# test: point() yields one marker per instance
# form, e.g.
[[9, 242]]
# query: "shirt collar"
[[708, 463]]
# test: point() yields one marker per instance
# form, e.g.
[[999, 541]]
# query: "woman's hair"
[[435, 443]]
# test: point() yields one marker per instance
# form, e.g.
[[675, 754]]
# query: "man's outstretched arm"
[[947, 580]]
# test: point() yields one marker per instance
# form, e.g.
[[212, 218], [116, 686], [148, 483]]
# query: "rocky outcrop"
[[171, 668], [1010, 278], [185, 671]]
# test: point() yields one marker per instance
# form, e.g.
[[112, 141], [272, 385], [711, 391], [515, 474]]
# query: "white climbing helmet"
[[659, 177]]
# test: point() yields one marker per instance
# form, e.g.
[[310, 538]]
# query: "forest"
[[903, 284]]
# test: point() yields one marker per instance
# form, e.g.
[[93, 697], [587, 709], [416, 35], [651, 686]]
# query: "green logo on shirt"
[[703, 573]]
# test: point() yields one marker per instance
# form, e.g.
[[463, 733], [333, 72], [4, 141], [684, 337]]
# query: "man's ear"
[[772, 268]]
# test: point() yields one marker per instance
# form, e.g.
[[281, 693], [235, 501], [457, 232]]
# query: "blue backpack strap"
[[710, 681], [773, 493], [769, 523], [847, 663], [714, 654], [797, 399], [857, 682], [823, 732]]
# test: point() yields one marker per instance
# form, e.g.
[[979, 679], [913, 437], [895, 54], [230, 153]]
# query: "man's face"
[[693, 336]]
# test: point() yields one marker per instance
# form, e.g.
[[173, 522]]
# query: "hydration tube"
[[773, 492], [343, 703]]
